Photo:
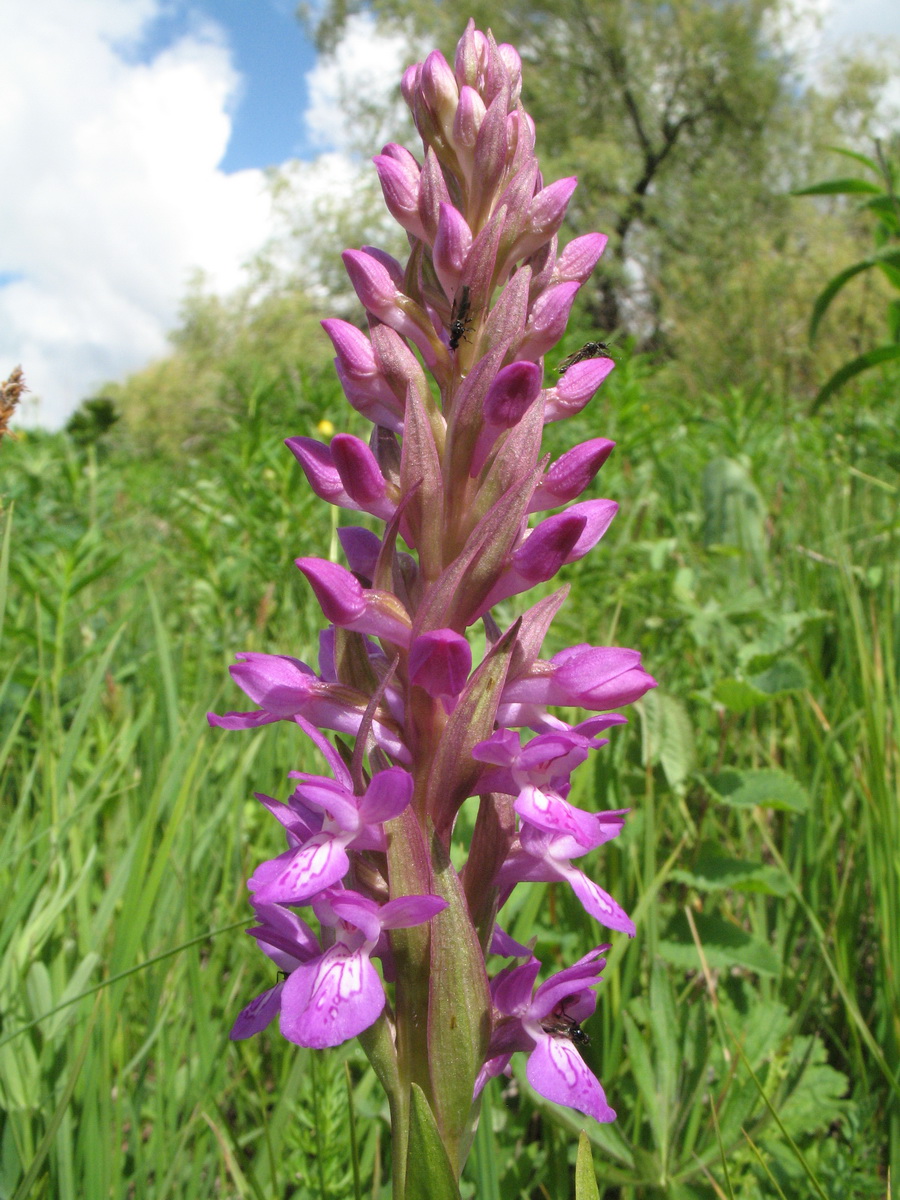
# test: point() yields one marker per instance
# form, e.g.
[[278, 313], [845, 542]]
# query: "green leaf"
[[738, 695], [765, 788], [714, 871], [890, 255], [839, 187], [734, 513], [725, 945], [459, 1004], [786, 675], [872, 358], [585, 1176], [668, 737], [429, 1175]]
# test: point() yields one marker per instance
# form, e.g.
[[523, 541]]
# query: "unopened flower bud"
[[440, 662]]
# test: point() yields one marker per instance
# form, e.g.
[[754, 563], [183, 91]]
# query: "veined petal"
[[558, 1072], [298, 875], [549, 811], [598, 903], [329, 1001]]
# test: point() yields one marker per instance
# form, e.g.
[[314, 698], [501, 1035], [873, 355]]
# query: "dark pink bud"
[[371, 280], [549, 546], [279, 684], [339, 594], [547, 320], [440, 662], [318, 465], [361, 475], [600, 677], [597, 516], [344, 602], [377, 291], [576, 387], [579, 258], [390, 264], [352, 346], [401, 193], [451, 246], [571, 474], [514, 390]]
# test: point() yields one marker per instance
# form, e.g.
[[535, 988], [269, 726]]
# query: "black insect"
[[560, 1023], [588, 350], [460, 323]]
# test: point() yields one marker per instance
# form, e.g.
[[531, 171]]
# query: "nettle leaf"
[[768, 787], [714, 872], [816, 1097], [725, 945], [738, 696], [668, 737], [782, 677]]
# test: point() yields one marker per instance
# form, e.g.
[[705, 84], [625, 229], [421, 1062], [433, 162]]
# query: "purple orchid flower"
[[545, 1024], [450, 374], [329, 995], [317, 857], [551, 835]]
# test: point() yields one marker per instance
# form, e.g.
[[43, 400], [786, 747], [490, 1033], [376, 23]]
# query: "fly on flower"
[[588, 350], [562, 1025], [460, 323]]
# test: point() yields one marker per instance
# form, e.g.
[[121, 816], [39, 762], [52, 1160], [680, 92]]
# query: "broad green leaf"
[[765, 788], [739, 695], [429, 1175], [786, 675], [585, 1177], [714, 871], [725, 945]]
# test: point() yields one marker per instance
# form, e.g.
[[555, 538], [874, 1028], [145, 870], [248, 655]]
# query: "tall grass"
[[748, 1037]]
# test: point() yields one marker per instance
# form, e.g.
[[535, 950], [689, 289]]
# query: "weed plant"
[[749, 1039]]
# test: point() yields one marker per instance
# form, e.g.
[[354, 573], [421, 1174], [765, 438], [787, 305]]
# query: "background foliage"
[[749, 1036]]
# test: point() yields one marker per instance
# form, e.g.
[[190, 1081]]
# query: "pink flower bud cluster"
[[483, 295]]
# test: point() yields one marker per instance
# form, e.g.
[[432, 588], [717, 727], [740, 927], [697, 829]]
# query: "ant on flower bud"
[[588, 350], [460, 324]]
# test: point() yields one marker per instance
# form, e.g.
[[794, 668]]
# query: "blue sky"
[[272, 53]]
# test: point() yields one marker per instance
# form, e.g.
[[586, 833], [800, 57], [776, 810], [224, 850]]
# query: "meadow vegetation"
[[749, 1036]]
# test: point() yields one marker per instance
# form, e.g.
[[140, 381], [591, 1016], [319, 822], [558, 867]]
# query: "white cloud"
[[112, 193], [354, 99]]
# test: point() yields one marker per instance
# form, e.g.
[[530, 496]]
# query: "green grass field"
[[749, 1037]]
